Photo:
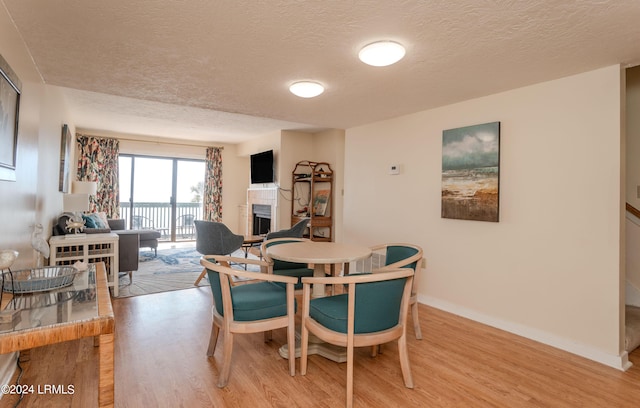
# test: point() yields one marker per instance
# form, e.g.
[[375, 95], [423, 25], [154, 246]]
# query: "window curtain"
[[98, 161], [213, 185]]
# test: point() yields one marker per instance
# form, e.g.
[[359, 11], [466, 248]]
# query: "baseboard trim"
[[620, 362]]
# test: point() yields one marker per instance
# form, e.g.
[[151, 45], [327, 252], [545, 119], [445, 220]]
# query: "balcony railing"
[[158, 216]]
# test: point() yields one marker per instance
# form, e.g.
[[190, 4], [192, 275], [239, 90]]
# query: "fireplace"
[[265, 201], [261, 216]]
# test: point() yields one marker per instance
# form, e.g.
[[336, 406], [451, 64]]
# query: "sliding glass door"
[[189, 192], [159, 193]]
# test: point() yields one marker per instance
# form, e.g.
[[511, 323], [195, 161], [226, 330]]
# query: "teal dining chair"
[[248, 302], [401, 255], [285, 268], [373, 311]]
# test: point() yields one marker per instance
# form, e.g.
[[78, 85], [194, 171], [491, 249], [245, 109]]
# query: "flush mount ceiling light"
[[381, 53], [306, 89]]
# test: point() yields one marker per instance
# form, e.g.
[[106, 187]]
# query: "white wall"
[[633, 136], [294, 147], [632, 184], [271, 141], [328, 146], [34, 196], [550, 269], [235, 181]]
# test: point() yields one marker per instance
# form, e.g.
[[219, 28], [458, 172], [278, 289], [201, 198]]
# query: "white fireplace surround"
[[262, 196]]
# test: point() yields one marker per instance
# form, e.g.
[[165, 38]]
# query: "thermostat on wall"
[[394, 169]]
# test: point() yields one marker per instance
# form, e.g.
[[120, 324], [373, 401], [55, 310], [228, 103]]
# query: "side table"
[[251, 241], [89, 248], [81, 310]]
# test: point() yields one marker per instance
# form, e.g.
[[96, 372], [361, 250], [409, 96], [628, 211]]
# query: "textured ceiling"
[[219, 70]]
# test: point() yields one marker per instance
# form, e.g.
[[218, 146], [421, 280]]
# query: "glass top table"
[[82, 309]]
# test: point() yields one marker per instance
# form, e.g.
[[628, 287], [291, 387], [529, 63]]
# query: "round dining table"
[[319, 254]]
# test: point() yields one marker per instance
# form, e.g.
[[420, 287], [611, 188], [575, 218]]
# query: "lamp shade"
[[84, 187], [75, 202]]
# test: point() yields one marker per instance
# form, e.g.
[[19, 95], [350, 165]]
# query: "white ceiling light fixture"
[[306, 89], [382, 53]]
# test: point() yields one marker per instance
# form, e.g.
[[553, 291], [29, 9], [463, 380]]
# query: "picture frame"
[[320, 202], [471, 173], [10, 90], [65, 158]]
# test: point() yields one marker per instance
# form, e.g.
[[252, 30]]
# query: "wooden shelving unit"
[[312, 186]]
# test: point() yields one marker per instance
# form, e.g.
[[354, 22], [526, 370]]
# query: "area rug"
[[171, 269]]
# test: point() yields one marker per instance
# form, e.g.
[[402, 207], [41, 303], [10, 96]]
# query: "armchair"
[[285, 268], [260, 305], [215, 238], [404, 256], [296, 231], [373, 311]]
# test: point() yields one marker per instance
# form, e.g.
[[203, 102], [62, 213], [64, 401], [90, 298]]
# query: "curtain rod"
[[154, 141]]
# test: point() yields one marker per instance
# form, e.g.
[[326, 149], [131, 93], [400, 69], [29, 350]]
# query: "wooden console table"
[[80, 310], [89, 248]]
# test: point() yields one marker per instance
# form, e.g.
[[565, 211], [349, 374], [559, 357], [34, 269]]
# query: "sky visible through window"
[[153, 179]]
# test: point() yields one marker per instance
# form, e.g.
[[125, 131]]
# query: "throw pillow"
[[88, 221], [98, 221], [103, 218]]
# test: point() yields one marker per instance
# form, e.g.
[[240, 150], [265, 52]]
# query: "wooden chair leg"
[[349, 377], [416, 320], [291, 329], [204, 271], [268, 336], [226, 360], [213, 339], [404, 361], [291, 341], [304, 348]]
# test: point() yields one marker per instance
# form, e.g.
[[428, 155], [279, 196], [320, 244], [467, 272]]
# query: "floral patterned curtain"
[[213, 185], [98, 161]]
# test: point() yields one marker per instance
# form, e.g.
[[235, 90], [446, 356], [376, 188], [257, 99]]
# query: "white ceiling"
[[212, 70]]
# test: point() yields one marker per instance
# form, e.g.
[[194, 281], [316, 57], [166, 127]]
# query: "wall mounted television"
[[262, 167]]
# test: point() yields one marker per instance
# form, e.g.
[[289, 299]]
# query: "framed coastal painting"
[[9, 112], [471, 172]]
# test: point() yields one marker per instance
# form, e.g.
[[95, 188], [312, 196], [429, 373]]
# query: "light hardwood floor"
[[161, 343]]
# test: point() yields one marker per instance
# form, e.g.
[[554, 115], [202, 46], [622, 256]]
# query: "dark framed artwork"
[[10, 87], [65, 158], [471, 172]]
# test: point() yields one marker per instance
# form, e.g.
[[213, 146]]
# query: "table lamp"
[[77, 203]]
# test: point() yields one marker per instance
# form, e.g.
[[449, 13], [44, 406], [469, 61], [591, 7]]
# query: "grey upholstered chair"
[[297, 231], [215, 238]]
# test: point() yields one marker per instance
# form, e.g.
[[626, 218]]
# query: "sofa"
[[129, 241], [148, 237]]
